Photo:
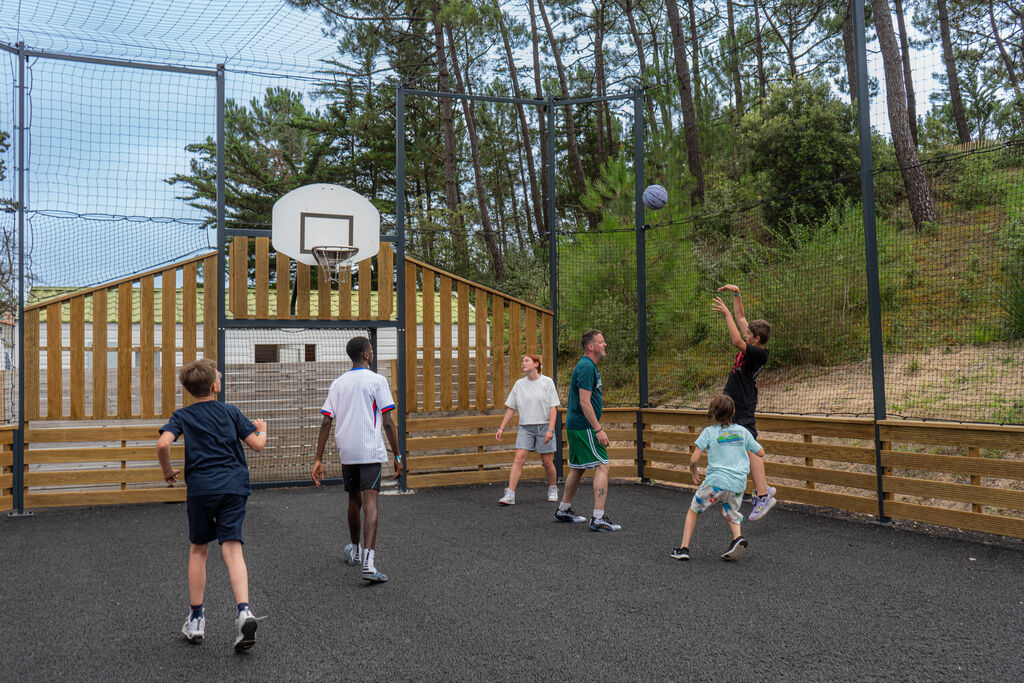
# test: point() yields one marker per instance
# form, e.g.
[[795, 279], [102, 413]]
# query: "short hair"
[[722, 410], [356, 347], [760, 328], [588, 337], [535, 358], [197, 376]]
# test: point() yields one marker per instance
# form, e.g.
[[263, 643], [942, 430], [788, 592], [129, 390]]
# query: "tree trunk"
[[1011, 73], [955, 100], [762, 79], [734, 59], [521, 113], [490, 240], [666, 118], [922, 205], [448, 136], [849, 50], [627, 6], [908, 80], [693, 160], [695, 51], [599, 83], [542, 227]]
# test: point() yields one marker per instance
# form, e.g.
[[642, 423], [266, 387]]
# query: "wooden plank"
[[796, 449], [147, 495], [32, 351], [411, 376], [429, 301], [147, 333], [323, 294], [124, 350], [467, 460], [963, 493], [111, 475], [386, 281], [456, 442], [481, 350], [302, 279], [365, 288], [674, 438], [456, 278], [54, 369], [823, 475], [955, 464], [99, 355], [345, 296], [497, 475], [973, 452], [188, 313], [1001, 437], [531, 330], [102, 434], [77, 379], [498, 350], [445, 298], [262, 277], [37, 456], [669, 456], [463, 342], [843, 501], [958, 519], [547, 345], [210, 308], [846, 428], [238, 294], [427, 424], [515, 335], [283, 285], [168, 344], [678, 418]]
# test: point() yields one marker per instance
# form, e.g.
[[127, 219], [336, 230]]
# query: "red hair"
[[535, 358]]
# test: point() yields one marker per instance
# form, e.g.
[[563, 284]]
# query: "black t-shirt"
[[741, 386], [214, 460]]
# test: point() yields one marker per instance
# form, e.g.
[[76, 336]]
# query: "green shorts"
[[584, 451]]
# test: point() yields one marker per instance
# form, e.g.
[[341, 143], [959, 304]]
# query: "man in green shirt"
[[588, 441]]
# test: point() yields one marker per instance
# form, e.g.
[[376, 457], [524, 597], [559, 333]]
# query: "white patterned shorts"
[[707, 495]]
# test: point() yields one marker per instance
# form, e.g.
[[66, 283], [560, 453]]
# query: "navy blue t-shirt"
[[214, 460]]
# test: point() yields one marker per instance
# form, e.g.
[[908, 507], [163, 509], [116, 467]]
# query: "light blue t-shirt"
[[728, 464]]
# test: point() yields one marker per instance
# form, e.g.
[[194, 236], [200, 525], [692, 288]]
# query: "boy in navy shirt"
[[217, 481]]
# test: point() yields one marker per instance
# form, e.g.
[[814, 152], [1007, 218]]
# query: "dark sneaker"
[[735, 549], [604, 524], [681, 554], [569, 516]]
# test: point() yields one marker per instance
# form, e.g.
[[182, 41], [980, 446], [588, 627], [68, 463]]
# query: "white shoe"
[[194, 629], [245, 627], [509, 498], [552, 494], [350, 555]]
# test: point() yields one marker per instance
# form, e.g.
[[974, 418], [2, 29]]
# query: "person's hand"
[[696, 478], [318, 472], [549, 435], [399, 468], [497, 435], [602, 437], [729, 288], [261, 425], [720, 306], [171, 476]]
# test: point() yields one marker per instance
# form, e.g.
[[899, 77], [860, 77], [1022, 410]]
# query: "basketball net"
[[333, 260]]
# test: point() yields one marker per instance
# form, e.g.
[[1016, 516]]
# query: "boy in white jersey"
[[361, 401], [727, 445]]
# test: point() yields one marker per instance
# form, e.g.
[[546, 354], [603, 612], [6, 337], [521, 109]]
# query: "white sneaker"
[[194, 629], [552, 494], [350, 555], [245, 627], [509, 498]]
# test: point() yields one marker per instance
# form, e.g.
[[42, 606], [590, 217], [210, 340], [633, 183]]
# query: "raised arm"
[[258, 439], [737, 308], [734, 332]]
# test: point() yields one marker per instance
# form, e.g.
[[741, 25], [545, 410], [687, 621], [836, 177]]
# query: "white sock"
[[598, 514], [359, 552], [368, 560], [563, 506]]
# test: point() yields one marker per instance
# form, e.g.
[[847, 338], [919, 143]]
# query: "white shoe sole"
[[765, 511], [734, 553], [192, 637], [505, 502]]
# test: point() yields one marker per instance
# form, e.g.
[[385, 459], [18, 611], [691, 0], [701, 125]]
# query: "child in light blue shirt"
[[727, 446]]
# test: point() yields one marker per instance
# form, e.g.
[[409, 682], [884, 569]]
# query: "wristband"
[[735, 294], [259, 433], [398, 457], [599, 429]]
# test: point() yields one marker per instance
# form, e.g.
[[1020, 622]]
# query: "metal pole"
[[641, 272], [867, 192], [18, 469], [553, 269], [372, 333], [400, 266], [221, 237]]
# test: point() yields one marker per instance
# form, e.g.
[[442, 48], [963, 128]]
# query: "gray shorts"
[[531, 438]]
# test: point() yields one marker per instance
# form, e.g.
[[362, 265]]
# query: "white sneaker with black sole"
[[736, 549], [245, 630]]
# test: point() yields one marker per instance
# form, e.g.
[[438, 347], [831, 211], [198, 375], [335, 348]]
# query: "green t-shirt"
[[584, 376]]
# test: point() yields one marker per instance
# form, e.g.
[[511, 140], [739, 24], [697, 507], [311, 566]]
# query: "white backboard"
[[325, 215]]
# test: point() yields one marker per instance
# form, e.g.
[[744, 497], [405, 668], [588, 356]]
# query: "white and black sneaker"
[[736, 549], [569, 515], [603, 524], [681, 554], [245, 630]]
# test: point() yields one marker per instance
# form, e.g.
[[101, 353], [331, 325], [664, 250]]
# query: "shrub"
[[977, 183]]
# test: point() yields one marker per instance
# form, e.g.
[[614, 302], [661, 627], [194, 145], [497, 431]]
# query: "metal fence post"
[[221, 235], [641, 273], [553, 270], [867, 193], [400, 267]]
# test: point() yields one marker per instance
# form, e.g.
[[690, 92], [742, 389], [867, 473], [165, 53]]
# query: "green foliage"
[[802, 146], [1013, 306], [976, 183]]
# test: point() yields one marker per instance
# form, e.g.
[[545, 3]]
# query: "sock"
[[359, 552], [598, 514], [368, 560], [197, 611], [563, 506], [242, 606]]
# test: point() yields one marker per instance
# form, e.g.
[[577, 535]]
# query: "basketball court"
[[487, 593]]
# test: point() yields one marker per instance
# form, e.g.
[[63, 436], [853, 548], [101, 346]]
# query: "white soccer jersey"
[[357, 400]]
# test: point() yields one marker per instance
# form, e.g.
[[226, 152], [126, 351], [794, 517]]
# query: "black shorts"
[[750, 424], [215, 517], [363, 477]]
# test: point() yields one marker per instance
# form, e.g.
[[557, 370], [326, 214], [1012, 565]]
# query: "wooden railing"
[[6, 467], [503, 328]]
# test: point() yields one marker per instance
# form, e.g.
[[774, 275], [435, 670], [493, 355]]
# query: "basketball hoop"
[[331, 257]]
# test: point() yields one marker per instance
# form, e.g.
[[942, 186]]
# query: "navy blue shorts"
[[364, 477], [217, 517]]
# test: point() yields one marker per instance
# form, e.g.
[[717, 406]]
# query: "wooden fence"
[[6, 467]]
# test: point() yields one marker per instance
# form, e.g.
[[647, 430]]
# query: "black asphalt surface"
[[479, 592]]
